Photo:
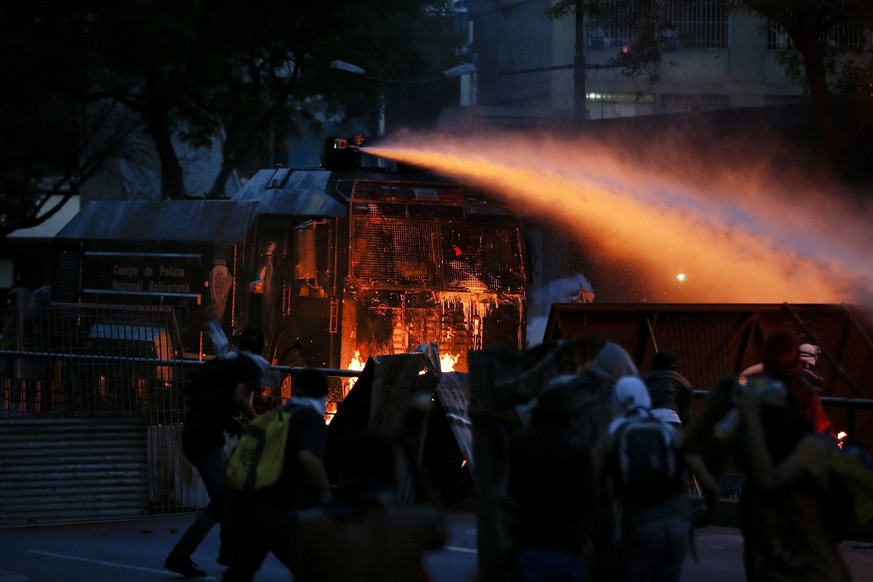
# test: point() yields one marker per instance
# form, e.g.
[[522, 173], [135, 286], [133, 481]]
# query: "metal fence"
[[61, 360], [91, 406], [78, 385], [677, 25]]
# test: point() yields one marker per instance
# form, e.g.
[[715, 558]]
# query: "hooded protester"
[[781, 360], [787, 504], [629, 393], [588, 396], [589, 393], [781, 391], [809, 359], [644, 465]]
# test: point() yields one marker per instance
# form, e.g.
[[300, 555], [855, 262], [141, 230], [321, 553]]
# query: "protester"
[[645, 468], [791, 540], [671, 393], [672, 397], [203, 442], [589, 399], [551, 485], [809, 361], [588, 395], [363, 534], [265, 520], [783, 359], [718, 432]]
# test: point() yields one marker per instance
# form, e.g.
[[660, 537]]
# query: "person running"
[[204, 429]]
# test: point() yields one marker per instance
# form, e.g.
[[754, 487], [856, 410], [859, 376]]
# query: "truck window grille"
[[392, 253], [420, 254]]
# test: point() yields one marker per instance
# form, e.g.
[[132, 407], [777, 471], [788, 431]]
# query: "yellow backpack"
[[257, 460]]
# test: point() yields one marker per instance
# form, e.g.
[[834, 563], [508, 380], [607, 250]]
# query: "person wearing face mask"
[[265, 520]]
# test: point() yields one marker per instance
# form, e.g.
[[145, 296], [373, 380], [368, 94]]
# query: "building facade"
[[712, 58]]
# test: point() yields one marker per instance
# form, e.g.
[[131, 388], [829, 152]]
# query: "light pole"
[[456, 71]]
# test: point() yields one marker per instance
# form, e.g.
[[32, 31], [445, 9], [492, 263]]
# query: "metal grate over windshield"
[[447, 240]]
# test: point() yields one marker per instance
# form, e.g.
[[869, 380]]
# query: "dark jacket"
[[670, 389]]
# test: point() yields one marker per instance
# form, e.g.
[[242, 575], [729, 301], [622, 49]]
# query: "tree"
[[89, 74], [53, 135], [240, 71], [827, 67]]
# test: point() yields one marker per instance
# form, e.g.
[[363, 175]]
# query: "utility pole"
[[580, 111]]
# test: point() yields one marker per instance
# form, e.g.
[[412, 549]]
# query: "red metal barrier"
[[711, 341]]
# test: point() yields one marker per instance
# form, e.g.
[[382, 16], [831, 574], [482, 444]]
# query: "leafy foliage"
[[89, 74], [54, 136]]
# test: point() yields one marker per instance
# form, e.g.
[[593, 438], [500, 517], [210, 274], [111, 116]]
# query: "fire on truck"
[[336, 264]]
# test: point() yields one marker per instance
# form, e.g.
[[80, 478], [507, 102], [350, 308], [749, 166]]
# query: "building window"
[[611, 105], [686, 103], [677, 25], [847, 36], [694, 25], [777, 38]]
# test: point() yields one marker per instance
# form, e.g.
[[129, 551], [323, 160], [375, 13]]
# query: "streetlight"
[[348, 67], [456, 71], [465, 70]]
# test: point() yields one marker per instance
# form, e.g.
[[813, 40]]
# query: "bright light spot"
[[447, 362], [680, 277], [356, 364]]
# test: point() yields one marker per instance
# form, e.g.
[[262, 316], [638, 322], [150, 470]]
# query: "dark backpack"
[[207, 389], [646, 464]]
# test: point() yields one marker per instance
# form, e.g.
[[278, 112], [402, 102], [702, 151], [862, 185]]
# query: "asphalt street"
[[135, 550]]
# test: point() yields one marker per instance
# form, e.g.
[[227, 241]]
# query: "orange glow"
[[356, 363], [743, 232], [447, 362]]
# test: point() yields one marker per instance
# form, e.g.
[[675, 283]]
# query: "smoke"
[[540, 300], [736, 226]]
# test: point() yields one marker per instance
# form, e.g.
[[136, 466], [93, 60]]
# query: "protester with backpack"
[[264, 517], [217, 396], [645, 469]]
